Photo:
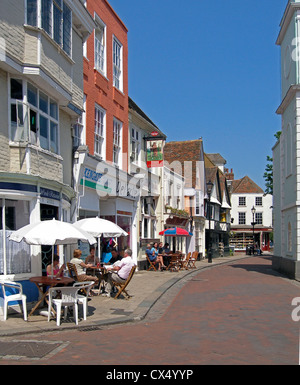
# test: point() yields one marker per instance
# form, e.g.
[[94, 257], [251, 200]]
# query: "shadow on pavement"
[[260, 267]]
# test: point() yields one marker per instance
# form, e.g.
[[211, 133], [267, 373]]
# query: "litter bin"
[[248, 250]]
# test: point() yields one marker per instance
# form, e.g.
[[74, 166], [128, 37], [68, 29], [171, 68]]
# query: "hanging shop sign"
[[155, 156]]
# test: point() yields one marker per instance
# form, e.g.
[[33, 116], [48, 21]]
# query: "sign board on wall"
[[155, 153]]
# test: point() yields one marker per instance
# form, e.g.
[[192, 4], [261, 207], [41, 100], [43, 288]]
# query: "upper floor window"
[[99, 139], [135, 146], [100, 53], [258, 218], [117, 64], [258, 201], [33, 116], [117, 143], [242, 201], [55, 18], [242, 218]]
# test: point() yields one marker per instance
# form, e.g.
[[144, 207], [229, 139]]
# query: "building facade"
[[149, 180], [217, 207], [250, 206], [102, 182], [186, 159], [286, 161], [41, 94]]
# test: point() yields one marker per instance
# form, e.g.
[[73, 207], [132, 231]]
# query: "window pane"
[[67, 24], [57, 21], [46, 15], [16, 89], [53, 109], [32, 12], [44, 132], [43, 102], [32, 94], [53, 137]]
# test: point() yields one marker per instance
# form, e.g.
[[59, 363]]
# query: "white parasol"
[[51, 232], [100, 227]]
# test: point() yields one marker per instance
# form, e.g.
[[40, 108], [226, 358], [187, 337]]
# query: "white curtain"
[[17, 256]]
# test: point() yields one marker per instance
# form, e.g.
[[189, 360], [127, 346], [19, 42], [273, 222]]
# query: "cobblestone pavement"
[[233, 313]]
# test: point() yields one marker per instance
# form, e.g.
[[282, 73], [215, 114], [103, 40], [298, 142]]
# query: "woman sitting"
[[58, 272], [154, 257]]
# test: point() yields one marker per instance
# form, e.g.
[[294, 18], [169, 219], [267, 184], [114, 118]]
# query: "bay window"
[[55, 18], [34, 116]]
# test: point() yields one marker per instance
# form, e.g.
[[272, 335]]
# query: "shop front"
[[24, 201], [111, 194]]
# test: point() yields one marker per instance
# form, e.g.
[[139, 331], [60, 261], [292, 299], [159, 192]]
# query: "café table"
[[47, 282]]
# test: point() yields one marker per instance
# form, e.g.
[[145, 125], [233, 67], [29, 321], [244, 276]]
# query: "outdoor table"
[[49, 282]]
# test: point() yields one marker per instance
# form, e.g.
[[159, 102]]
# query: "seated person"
[[115, 256], [91, 259], [118, 273], [80, 266], [58, 272], [154, 257], [166, 252], [166, 248]]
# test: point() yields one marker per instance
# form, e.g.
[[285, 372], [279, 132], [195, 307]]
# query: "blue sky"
[[210, 69]]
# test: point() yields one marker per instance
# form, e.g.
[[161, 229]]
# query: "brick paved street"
[[232, 314]]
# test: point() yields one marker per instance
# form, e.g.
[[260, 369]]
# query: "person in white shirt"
[[118, 272]]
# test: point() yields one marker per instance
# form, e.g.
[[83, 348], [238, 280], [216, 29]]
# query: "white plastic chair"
[[82, 299], [13, 297], [69, 297]]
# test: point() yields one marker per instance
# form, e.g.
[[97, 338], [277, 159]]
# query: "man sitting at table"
[[80, 266], [118, 272]]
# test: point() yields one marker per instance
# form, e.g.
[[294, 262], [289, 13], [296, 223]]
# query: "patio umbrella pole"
[[98, 250], [52, 261]]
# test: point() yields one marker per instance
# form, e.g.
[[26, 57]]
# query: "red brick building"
[[105, 74], [101, 138]]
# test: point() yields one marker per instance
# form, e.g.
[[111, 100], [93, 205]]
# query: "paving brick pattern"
[[231, 314]]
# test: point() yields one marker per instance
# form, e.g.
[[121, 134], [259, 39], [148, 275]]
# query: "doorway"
[[47, 212]]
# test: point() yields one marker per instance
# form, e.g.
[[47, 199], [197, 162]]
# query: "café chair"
[[151, 264], [121, 287], [69, 297], [19, 296], [193, 260], [185, 261], [82, 299]]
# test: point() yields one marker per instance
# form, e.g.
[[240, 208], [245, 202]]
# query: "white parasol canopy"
[[51, 232], [100, 227]]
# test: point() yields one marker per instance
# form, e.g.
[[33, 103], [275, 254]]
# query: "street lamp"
[[253, 210], [209, 187]]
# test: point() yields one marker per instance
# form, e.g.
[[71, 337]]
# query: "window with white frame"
[[198, 203], [242, 201], [54, 17], [258, 218], [99, 137], [242, 218], [117, 64], [79, 128], [100, 54], [117, 142], [258, 201], [33, 116], [135, 146]]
